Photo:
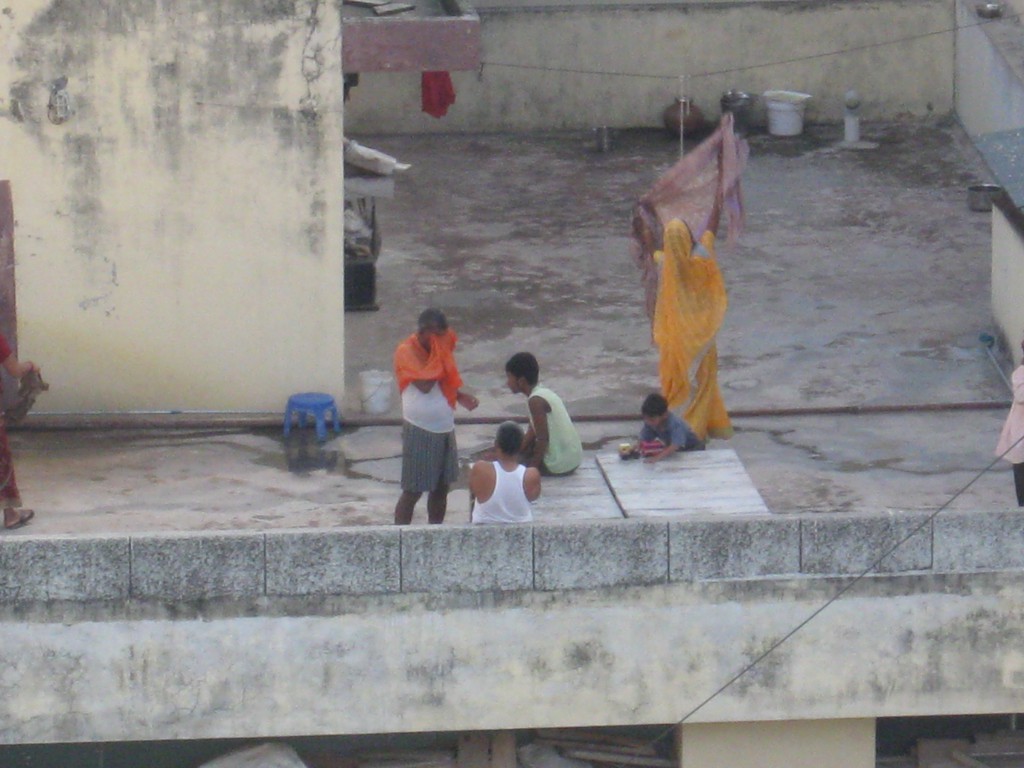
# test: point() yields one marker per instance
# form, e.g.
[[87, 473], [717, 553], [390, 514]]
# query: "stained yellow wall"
[[178, 239], [782, 744]]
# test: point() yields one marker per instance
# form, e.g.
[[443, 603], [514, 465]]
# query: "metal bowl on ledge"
[[989, 10], [979, 196]]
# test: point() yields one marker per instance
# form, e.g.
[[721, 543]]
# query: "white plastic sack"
[[371, 160], [263, 756]]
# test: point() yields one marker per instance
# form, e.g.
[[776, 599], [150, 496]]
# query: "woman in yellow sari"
[[689, 310], [684, 291]]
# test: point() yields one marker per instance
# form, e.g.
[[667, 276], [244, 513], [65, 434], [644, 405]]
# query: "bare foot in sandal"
[[15, 518]]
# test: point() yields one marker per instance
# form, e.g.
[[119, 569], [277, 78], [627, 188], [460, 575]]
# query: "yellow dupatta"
[[688, 312]]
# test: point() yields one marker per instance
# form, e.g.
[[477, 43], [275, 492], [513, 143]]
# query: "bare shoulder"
[[531, 483], [538, 404], [481, 469], [482, 479]]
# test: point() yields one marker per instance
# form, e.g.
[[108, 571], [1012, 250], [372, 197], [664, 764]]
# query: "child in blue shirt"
[[664, 433]]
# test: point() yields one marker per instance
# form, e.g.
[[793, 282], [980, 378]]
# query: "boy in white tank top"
[[502, 490]]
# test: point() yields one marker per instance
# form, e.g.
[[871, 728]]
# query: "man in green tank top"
[[552, 443]]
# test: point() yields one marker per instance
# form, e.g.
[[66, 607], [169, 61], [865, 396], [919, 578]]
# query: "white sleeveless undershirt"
[[508, 503]]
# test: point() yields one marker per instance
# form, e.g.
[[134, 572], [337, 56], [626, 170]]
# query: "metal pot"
[[738, 102], [979, 196], [989, 10]]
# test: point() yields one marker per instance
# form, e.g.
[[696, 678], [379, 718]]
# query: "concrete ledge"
[[467, 558], [606, 554], [388, 560], [733, 549], [362, 561], [848, 544], [976, 540], [64, 568], [184, 567]]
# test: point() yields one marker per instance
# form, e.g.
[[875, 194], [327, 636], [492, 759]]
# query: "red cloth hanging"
[[438, 93]]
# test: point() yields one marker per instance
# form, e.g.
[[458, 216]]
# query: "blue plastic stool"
[[315, 404]]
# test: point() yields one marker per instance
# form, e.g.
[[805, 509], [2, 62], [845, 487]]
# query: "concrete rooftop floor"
[[862, 280]]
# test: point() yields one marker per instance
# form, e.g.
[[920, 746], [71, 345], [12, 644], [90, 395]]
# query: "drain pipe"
[[989, 341], [50, 422], [230, 420]]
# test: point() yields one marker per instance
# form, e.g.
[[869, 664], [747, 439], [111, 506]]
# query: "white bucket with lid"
[[785, 112], [375, 391]]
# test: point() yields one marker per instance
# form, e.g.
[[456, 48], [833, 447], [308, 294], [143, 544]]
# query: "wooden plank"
[[685, 461], [591, 486], [410, 762], [674, 494], [583, 495], [590, 736], [598, 756], [693, 500], [407, 758], [700, 482], [640, 750], [590, 494], [565, 484], [703, 483], [389, 9], [572, 510], [748, 510]]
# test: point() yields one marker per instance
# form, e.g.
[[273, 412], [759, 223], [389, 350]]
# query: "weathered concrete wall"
[[1008, 281], [990, 104], [463, 628], [989, 70], [539, 59], [179, 236]]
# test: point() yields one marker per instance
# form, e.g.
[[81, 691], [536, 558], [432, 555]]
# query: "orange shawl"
[[414, 363]]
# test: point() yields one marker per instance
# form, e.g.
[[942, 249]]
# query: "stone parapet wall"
[[197, 567], [456, 628]]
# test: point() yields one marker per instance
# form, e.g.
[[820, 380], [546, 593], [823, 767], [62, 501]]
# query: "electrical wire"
[[835, 597], [653, 76], [746, 68]]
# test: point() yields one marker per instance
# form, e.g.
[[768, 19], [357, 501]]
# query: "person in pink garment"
[[10, 497], [1011, 441]]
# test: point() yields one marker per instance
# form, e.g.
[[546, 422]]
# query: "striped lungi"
[[429, 459]]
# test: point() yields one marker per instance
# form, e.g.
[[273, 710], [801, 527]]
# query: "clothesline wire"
[[838, 594], [698, 75], [746, 68]]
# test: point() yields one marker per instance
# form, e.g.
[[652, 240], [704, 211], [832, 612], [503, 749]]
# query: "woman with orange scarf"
[[429, 381]]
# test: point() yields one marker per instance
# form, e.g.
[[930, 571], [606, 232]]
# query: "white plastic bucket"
[[785, 112], [375, 391]]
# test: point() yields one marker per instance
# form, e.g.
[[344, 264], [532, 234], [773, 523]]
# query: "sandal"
[[23, 517]]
